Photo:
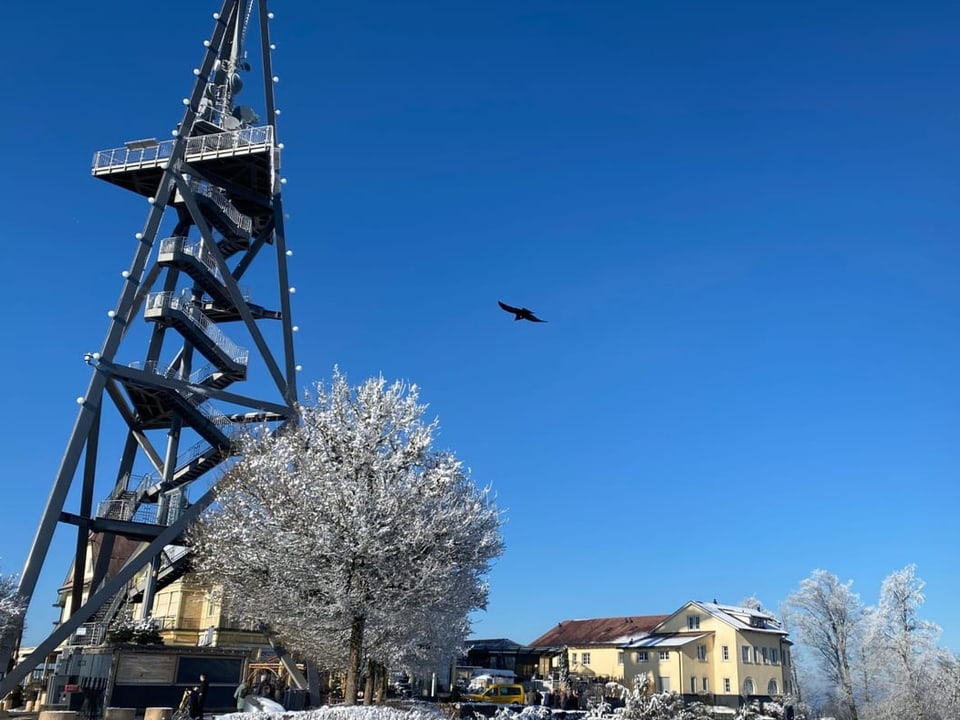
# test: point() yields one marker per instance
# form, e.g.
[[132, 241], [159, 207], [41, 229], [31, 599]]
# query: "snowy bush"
[[528, 712], [124, 629], [639, 705]]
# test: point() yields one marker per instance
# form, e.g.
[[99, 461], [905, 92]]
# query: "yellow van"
[[501, 694]]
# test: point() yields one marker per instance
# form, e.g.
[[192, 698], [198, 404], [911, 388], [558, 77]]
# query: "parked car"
[[500, 694]]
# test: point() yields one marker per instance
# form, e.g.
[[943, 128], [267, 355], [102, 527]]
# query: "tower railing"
[[174, 301], [198, 449], [128, 506], [197, 376], [194, 248], [202, 187], [199, 250], [245, 139]]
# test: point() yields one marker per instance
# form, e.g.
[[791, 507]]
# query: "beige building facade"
[[718, 654]]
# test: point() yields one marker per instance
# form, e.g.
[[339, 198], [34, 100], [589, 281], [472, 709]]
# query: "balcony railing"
[[231, 142], [129, 509], [197, 377], [87, 634], [195, 248], [202, 187], [173, 301]]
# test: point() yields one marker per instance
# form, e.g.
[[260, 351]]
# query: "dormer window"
[[756, 621]]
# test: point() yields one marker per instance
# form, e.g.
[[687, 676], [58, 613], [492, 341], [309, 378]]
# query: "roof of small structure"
[[599, 631], [492, 644]]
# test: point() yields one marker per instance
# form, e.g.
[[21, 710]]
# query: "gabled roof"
[[740, 618], [599, 631]]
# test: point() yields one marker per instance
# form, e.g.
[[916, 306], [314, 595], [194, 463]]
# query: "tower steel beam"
[[219, 176], [109, 589]]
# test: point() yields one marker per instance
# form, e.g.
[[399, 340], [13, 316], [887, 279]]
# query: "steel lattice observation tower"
[[182, 339]]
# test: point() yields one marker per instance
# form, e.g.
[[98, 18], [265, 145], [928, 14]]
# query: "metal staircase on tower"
[[182, 340]]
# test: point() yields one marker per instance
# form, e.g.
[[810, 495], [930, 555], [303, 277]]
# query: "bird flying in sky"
[[520, 313]]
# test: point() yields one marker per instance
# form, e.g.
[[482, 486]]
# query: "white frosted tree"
[[350, 535], [946, 689], [11, 605], [12, 609], [902, 648], [826, 616]]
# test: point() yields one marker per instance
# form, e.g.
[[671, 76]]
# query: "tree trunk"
[[381, 683], [369, 684], [846, 682], [353, 662]]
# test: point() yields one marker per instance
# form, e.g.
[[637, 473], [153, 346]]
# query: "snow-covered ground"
[[418, 711], [410, 711]]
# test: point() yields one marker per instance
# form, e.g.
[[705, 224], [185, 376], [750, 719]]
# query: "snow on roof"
[[599, 631], [673, 640], [744, 618]]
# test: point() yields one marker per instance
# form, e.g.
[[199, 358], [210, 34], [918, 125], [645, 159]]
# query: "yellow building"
[[722, 654], [717, 654], [183, 610], [594, 648]]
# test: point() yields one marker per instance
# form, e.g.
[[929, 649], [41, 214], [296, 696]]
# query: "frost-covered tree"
[[12, 610], [350, 535], [946, 691], [11, 605], [901, 649], [752, 602], [827, 617]]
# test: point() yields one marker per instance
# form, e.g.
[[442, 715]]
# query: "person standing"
[[203, 688], [264, 687], [240, 695], [192, 698]]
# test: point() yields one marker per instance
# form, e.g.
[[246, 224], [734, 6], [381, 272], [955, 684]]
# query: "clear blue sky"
[[741, 220]]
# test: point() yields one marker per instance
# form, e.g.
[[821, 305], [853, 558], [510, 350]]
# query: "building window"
[[693, 683], [744, 654], [756, 655], [725, 652], [706, 684], [748, 688], [702, 653], [641, 656], [775, 656], [693, 622], [772, 687], [663, 684], [619, 657], [585, 658], [726, 685], [573, 658], [763, 651], [664, 654]]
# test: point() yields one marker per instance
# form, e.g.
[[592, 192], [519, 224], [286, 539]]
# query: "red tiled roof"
[[599, 631]]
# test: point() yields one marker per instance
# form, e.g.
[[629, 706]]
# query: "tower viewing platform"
[[247, 157]]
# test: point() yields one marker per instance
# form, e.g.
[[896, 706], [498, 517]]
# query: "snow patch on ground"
[[345, 712]]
